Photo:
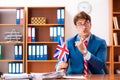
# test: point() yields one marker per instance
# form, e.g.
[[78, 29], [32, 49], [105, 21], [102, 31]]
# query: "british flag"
[[61, 52]]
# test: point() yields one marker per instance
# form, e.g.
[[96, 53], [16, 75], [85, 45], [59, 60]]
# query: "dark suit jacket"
[[98, 49]]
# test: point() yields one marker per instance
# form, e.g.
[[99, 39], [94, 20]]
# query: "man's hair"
[[82, 15]]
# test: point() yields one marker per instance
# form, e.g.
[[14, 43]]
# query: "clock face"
[[84, 6]]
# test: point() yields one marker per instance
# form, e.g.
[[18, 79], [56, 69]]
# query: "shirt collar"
[[78, 38]]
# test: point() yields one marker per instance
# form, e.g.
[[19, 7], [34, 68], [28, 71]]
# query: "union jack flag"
[[61, 52]]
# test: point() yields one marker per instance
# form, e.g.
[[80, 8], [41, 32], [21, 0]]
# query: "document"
[[55, 75], [58, 74], [74, 77], [15, 76]]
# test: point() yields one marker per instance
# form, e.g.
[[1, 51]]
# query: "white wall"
[[99, 14]]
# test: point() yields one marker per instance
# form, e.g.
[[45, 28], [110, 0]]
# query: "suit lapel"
[[91, 45]]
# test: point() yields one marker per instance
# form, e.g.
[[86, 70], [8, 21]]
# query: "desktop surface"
[[90, 77]]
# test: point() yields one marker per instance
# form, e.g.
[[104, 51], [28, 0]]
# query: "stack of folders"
[[60, 16], [56, 32], [38, 76], [22, 76], [31, 34], [37, 52], [15, 67], [18, 52], [19, 16]]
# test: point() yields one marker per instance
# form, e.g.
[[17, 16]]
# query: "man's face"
[[83, 27]]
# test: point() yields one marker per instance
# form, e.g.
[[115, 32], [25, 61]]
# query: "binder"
[[20, 52], [21, 15], [33, 34], [29, 52], [62, 32], [58, 33], [51, 34], [41, 52], [38, 52], [16, 54], [10, 68], [13, 68], [18, 16], [55, 34], [58, 16], [17, 68], [33, 52], [62, 16], [0, 51], [45, 52], [21, 67], [29, 34]]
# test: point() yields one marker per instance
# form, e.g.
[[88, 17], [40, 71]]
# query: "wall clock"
[[84, 6]]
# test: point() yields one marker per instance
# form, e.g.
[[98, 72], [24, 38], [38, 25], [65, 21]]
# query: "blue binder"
[[33, 34], [58, 16], [62, 16], [18, 16], [16, 52], [41, 52], [37, 52], [20, 52], [45, 53], [10, 68], [29, 52], [33, 52]]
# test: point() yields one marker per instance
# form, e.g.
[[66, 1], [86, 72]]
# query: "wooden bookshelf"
[[42, 37], [7, 24], [115, 12]]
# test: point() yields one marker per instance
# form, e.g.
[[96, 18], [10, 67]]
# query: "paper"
[[74, 77], [58, 74], [15, 76]]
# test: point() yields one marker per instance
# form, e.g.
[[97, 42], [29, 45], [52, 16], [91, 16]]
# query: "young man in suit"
[[94, 52]]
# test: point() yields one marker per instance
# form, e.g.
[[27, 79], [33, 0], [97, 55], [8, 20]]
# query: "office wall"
[[99, 14]]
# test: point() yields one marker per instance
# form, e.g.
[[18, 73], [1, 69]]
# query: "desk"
[[93, 77], [88, 77]]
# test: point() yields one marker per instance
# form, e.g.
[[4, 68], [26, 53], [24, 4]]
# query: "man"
[[94, 52]]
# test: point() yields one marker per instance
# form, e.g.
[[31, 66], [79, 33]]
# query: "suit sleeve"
[[99, 58]]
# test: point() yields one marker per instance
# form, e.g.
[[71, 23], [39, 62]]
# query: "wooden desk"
[[93, 77], [90, 77]]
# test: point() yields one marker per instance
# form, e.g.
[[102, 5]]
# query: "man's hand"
[[62, 65], [81, 46]]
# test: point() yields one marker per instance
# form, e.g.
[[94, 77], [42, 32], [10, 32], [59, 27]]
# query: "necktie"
[[85, 62]]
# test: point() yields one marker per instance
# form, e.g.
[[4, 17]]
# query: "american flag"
[[61, 52]]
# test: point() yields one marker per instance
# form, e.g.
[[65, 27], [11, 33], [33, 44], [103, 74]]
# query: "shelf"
[[42, 42], [11, 60], [49, 61], [116, 12], [13, 25], [45, 25], [8, 42]]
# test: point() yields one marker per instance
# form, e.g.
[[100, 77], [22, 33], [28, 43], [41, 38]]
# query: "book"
[[115, 39], [115, 22]]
